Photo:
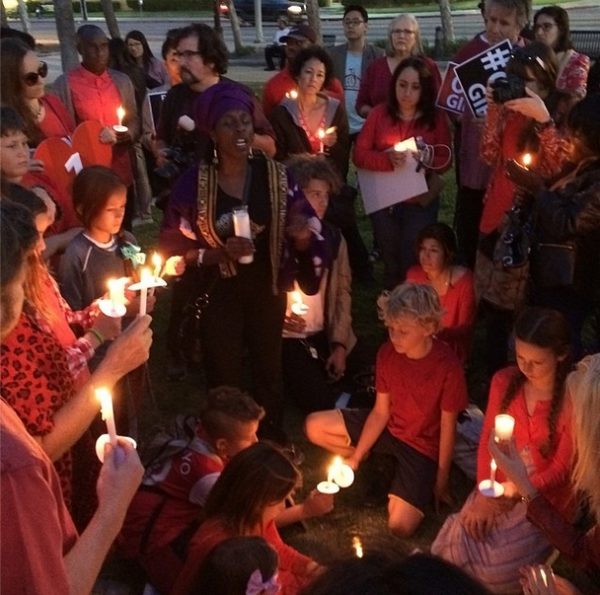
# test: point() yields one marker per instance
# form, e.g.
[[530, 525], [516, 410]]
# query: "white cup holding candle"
[[340, 473], [298, 307], [241, 228], [504, 425], [120, 115], [114, 306], [327, 487], [186, 123], [490, 488], [104, 439]]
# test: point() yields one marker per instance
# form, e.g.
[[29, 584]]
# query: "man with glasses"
[[301, 36], [351, 60], [92, 91]]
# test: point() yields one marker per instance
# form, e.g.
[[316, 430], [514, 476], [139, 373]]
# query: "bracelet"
[[200, 258], [97, 334]]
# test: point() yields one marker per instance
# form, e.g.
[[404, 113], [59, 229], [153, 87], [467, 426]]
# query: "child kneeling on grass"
[[420, 391], [163, 514]]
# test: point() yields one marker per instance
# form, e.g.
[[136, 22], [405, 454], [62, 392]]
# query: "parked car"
[[271, 9]]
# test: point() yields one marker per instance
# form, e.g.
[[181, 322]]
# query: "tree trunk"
[[314, 20], [24, 16], [3, 17], [447, 24], [111, 20], [65, 29], [217, 26], [235, 29]]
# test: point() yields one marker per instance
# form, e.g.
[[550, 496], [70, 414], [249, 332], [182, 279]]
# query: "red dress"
[[460, 310]]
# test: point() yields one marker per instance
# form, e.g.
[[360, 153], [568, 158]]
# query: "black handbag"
[[553, 265]]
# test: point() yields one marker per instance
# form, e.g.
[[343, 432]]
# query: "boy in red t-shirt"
[[420, 391], [163, 514]]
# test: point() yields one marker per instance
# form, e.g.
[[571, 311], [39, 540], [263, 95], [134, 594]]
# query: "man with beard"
[[203, 62]]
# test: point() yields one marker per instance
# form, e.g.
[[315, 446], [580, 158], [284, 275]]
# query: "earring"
[[250, 154], [215, 156]]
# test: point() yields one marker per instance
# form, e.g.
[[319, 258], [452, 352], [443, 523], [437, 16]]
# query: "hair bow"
[[133, 253], [257, 587]]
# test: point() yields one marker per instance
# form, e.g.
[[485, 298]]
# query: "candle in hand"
[[298, 307], [493, 467], [357, 545], [145, 282], [120, 115], [504, 425], [340, 473], [293, 94], [108, 415], [321, 135], [526, 160], [242, 229], [157, 263]]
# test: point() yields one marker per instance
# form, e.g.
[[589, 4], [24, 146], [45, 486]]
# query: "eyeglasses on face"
[[187, 54], [544, 26], [405, 32], [353, 22], [31, 78]]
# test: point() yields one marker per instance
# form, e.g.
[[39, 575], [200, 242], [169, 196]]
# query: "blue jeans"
[[396, 230]]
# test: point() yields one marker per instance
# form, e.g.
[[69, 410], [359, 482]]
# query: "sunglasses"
[[31, 78]]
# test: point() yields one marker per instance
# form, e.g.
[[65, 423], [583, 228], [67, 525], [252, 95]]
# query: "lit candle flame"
[[145, 275], [544, 577], [157, 263], [120, 114], [526, 159], [321, 133], [357, 545], [293, 94], [331, 130], [333, 469], [106, 407], [493, 465]]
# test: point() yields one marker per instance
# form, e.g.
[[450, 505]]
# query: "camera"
[[179, 161], [509, 87]]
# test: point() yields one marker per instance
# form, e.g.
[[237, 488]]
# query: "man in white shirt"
[[277, 48]]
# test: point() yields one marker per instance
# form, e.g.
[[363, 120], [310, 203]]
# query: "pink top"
[[375, 85], [573, 76], [380, 133], [57, 120], [550, 475], [460, 310]]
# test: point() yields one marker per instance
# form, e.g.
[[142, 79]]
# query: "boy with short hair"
[[420, 391], [163, 514]]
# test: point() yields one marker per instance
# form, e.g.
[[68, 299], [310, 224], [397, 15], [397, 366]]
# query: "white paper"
[[382, 189]]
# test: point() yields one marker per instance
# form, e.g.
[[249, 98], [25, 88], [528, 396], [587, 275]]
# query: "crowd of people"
[[262, 251]]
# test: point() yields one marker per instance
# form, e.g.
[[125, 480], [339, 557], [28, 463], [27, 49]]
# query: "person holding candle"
[[249, 494], [581, 547], [324, 329], [512, 130], [404, 41], [93, 91], [409, 112], [420, 391], [40, 548], [491, 538], [246, 301], [436, 246]]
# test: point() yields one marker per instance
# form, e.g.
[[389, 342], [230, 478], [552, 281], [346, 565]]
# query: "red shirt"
[[375, 85], [283, 83], [420, 389], [36, 528], [551, 475], [459, 308], [57, 121], [380, 133], [292, 564]]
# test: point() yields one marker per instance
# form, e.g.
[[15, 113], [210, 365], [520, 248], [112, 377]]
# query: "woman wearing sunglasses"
[[22, 88], [513, 129]]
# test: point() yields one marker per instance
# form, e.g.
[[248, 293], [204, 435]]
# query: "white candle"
[[298, 306], [145, 282], [321, 135], [116, 293], [327, 487], [544, 577], [357, 545], [241, 228], [493, 467], [120, 115], [108, 415], [504, 425], [157, 263], [526, 160]]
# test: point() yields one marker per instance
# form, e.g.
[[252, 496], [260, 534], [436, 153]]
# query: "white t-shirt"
[[351, 87]]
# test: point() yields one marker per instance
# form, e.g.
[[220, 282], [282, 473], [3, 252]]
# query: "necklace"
[[313, 139]]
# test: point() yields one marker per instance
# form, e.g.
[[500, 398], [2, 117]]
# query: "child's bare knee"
[[312, 427], [403, 527]]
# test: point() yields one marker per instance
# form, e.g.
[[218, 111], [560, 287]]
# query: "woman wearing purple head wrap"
[[246, 272]]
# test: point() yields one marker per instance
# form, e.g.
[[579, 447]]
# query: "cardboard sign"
[[475, 73], [86, 142], [450, 96]]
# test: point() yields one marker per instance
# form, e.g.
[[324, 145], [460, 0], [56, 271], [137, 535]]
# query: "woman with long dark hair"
[[139, 50], [409, 112]]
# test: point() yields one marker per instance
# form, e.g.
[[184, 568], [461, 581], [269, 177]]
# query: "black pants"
[[275, 51], [181, 342], [244, 316], [469, 205]]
